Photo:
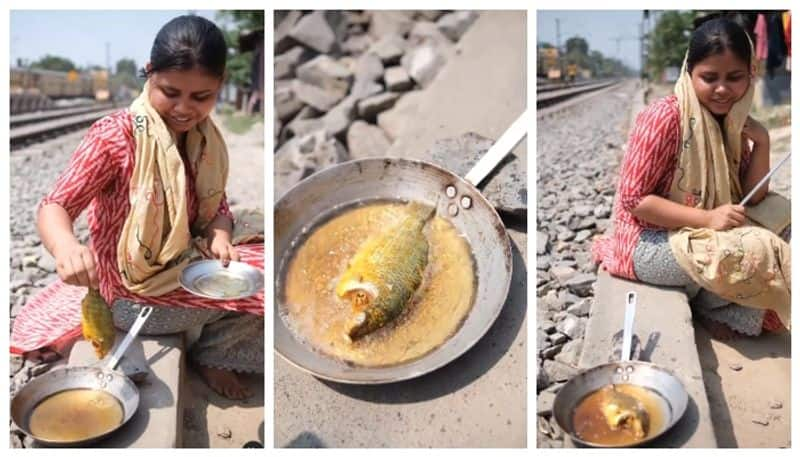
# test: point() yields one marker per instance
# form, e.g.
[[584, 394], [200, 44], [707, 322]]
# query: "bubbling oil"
[[590, 424], [311, 309], [75, 415]]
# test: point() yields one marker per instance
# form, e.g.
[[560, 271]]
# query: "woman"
[[687, 165], [153, 177]]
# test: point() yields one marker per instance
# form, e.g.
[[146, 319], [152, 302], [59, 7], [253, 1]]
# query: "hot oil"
[[74, 415], [590, 424], [314, 312], [221, 284]]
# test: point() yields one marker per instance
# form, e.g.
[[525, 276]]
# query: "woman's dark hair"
[[187, 42], [713, 37]]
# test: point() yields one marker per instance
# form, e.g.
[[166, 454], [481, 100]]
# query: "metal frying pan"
[[456, 198], [659, 380], [101, 377]]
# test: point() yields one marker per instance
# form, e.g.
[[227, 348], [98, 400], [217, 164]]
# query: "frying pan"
[[455, 198], [657, 379], [100, 376]]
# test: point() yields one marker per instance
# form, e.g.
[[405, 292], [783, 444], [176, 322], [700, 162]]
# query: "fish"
[[97, 323], [622, 410], [385, 272]]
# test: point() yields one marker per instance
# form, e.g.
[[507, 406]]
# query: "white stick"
[[763, 181]]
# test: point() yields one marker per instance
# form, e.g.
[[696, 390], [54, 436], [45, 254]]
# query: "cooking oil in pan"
[[591, 425], [75, 415], [312, 310]]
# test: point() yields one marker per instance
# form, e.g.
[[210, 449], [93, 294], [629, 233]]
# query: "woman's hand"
[[755, 131], [75, 265], [222, 249], [725, 217]]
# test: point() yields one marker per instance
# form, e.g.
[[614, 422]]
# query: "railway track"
[[553, 95], [34, 127]]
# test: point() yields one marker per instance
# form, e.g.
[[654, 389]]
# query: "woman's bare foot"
[[224, 382], [718, 330]]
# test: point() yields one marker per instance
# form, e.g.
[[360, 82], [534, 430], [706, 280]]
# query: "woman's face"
[[720, 81], [183, 97]]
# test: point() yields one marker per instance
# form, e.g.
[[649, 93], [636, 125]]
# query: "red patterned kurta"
[[647, 169]]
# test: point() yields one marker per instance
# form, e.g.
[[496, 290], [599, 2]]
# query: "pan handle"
[[499, 150], [627, 328], [137, 325]]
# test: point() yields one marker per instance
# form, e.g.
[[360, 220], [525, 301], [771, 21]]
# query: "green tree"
[[234, 24], [55, 63], [126, 66], [577, 45], [669, 41]]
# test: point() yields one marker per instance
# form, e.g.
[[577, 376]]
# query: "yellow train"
[[57, 84]]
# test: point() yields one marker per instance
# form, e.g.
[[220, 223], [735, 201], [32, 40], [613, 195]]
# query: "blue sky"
[[598, 28], [81, 36]]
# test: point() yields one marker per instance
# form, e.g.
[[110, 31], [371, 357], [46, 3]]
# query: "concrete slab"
[[663, 324], [157, 422]]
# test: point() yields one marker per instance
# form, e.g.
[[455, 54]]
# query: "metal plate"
[[114, 383], [209, 279], [394, 179], [648, 375]]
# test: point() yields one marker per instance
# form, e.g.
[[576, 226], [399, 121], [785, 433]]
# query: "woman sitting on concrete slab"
[[153, 178], [688, 164]]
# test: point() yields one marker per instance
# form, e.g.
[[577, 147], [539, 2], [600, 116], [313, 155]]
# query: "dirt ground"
[[749, 388], [209, 419]]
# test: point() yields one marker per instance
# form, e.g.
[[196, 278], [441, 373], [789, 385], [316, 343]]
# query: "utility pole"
[[558, 46]]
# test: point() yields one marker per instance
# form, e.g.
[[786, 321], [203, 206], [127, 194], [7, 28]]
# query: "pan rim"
[[457, 353]]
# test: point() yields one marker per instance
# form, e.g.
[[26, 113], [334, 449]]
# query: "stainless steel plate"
[[209, 279]]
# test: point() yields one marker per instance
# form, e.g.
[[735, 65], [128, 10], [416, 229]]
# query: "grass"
[[239, 123]]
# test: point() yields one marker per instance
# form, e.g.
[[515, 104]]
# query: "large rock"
[[319, 98], [287, 103], [369, 107], [572, 326], [506, 187], [334, 122], [385, 22], [357, 44], [454, 24], [397, 79], [316, 30], [390, 48], [368, 68], [291, 129], [286, 63], [282, 39], [425, 32], [327, 74], [393, 121], [300, 157], [366, 140], [423, 63], [581, 284]]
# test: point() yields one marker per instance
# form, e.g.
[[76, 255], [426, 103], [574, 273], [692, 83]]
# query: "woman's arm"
[[75, 262], [759, 160], [670, 215], [218, 234]]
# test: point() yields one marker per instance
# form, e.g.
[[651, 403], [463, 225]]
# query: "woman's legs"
[[655, 264], [228, 342]]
